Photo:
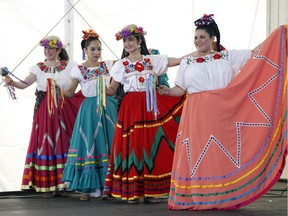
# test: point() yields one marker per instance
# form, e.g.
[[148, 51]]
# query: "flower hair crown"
[[205, 20], [129, 31], [89, 34], [52, 43]]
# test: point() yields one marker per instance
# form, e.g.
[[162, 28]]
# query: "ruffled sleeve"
[[117, 71], [238, 58], [71, 64], [180, 75], [160, 63], [76, 73], [34, 70]]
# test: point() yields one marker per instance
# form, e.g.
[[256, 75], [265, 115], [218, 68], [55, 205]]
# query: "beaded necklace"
[[53, 69]]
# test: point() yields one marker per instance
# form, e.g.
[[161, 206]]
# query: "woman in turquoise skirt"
[[88, 155]]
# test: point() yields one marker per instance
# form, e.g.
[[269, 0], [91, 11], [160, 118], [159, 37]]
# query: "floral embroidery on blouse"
[[88, 73], [208, 58], [53, 69], [139, 66]]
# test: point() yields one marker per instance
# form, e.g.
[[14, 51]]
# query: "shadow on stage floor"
[[24, 203]]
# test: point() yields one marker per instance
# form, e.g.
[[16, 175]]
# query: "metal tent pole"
[[69, 27]]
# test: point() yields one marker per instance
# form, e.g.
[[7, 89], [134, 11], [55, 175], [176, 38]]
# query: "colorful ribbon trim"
[[5, 72], [11, 92], [54, 96], [151, 95], [10, 89], [101, 94]]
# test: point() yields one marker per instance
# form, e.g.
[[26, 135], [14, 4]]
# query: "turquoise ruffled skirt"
[[89, 151]]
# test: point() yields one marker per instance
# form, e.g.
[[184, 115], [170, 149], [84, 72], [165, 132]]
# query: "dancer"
[[143, 144], [89, 151], [52, 124], [231, 143]]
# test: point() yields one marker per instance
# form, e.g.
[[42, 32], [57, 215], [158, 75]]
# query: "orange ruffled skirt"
[[232, 143]]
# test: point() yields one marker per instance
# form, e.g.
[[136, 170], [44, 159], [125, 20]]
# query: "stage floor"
[[23, 203]]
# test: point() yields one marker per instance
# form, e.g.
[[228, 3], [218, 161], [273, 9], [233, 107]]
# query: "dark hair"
[[63, 55], [213, 30], [86, 43]]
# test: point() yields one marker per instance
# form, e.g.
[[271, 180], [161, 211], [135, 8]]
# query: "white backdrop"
[[169, 26]]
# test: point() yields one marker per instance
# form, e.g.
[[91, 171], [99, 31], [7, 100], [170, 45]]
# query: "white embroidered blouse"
[[213, 71], [60, 73], [134, 74], [88, 76]]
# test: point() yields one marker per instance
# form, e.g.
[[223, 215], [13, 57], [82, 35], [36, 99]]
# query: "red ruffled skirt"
[[142, 150], [48, 146]]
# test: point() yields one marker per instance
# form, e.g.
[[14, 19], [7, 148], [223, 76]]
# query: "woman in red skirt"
[[143, 145], [52, 122]]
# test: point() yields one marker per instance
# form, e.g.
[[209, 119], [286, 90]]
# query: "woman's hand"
[[8, 80], [174, 91], [162, 90], [111, 90]]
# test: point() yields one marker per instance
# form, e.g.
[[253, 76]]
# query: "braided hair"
[[208, 24]]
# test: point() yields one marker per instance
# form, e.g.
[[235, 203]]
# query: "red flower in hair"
[[89, 34], [206, 19], [139, 67]]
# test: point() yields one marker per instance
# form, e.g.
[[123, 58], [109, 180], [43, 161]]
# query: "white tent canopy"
[[169, 25]]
